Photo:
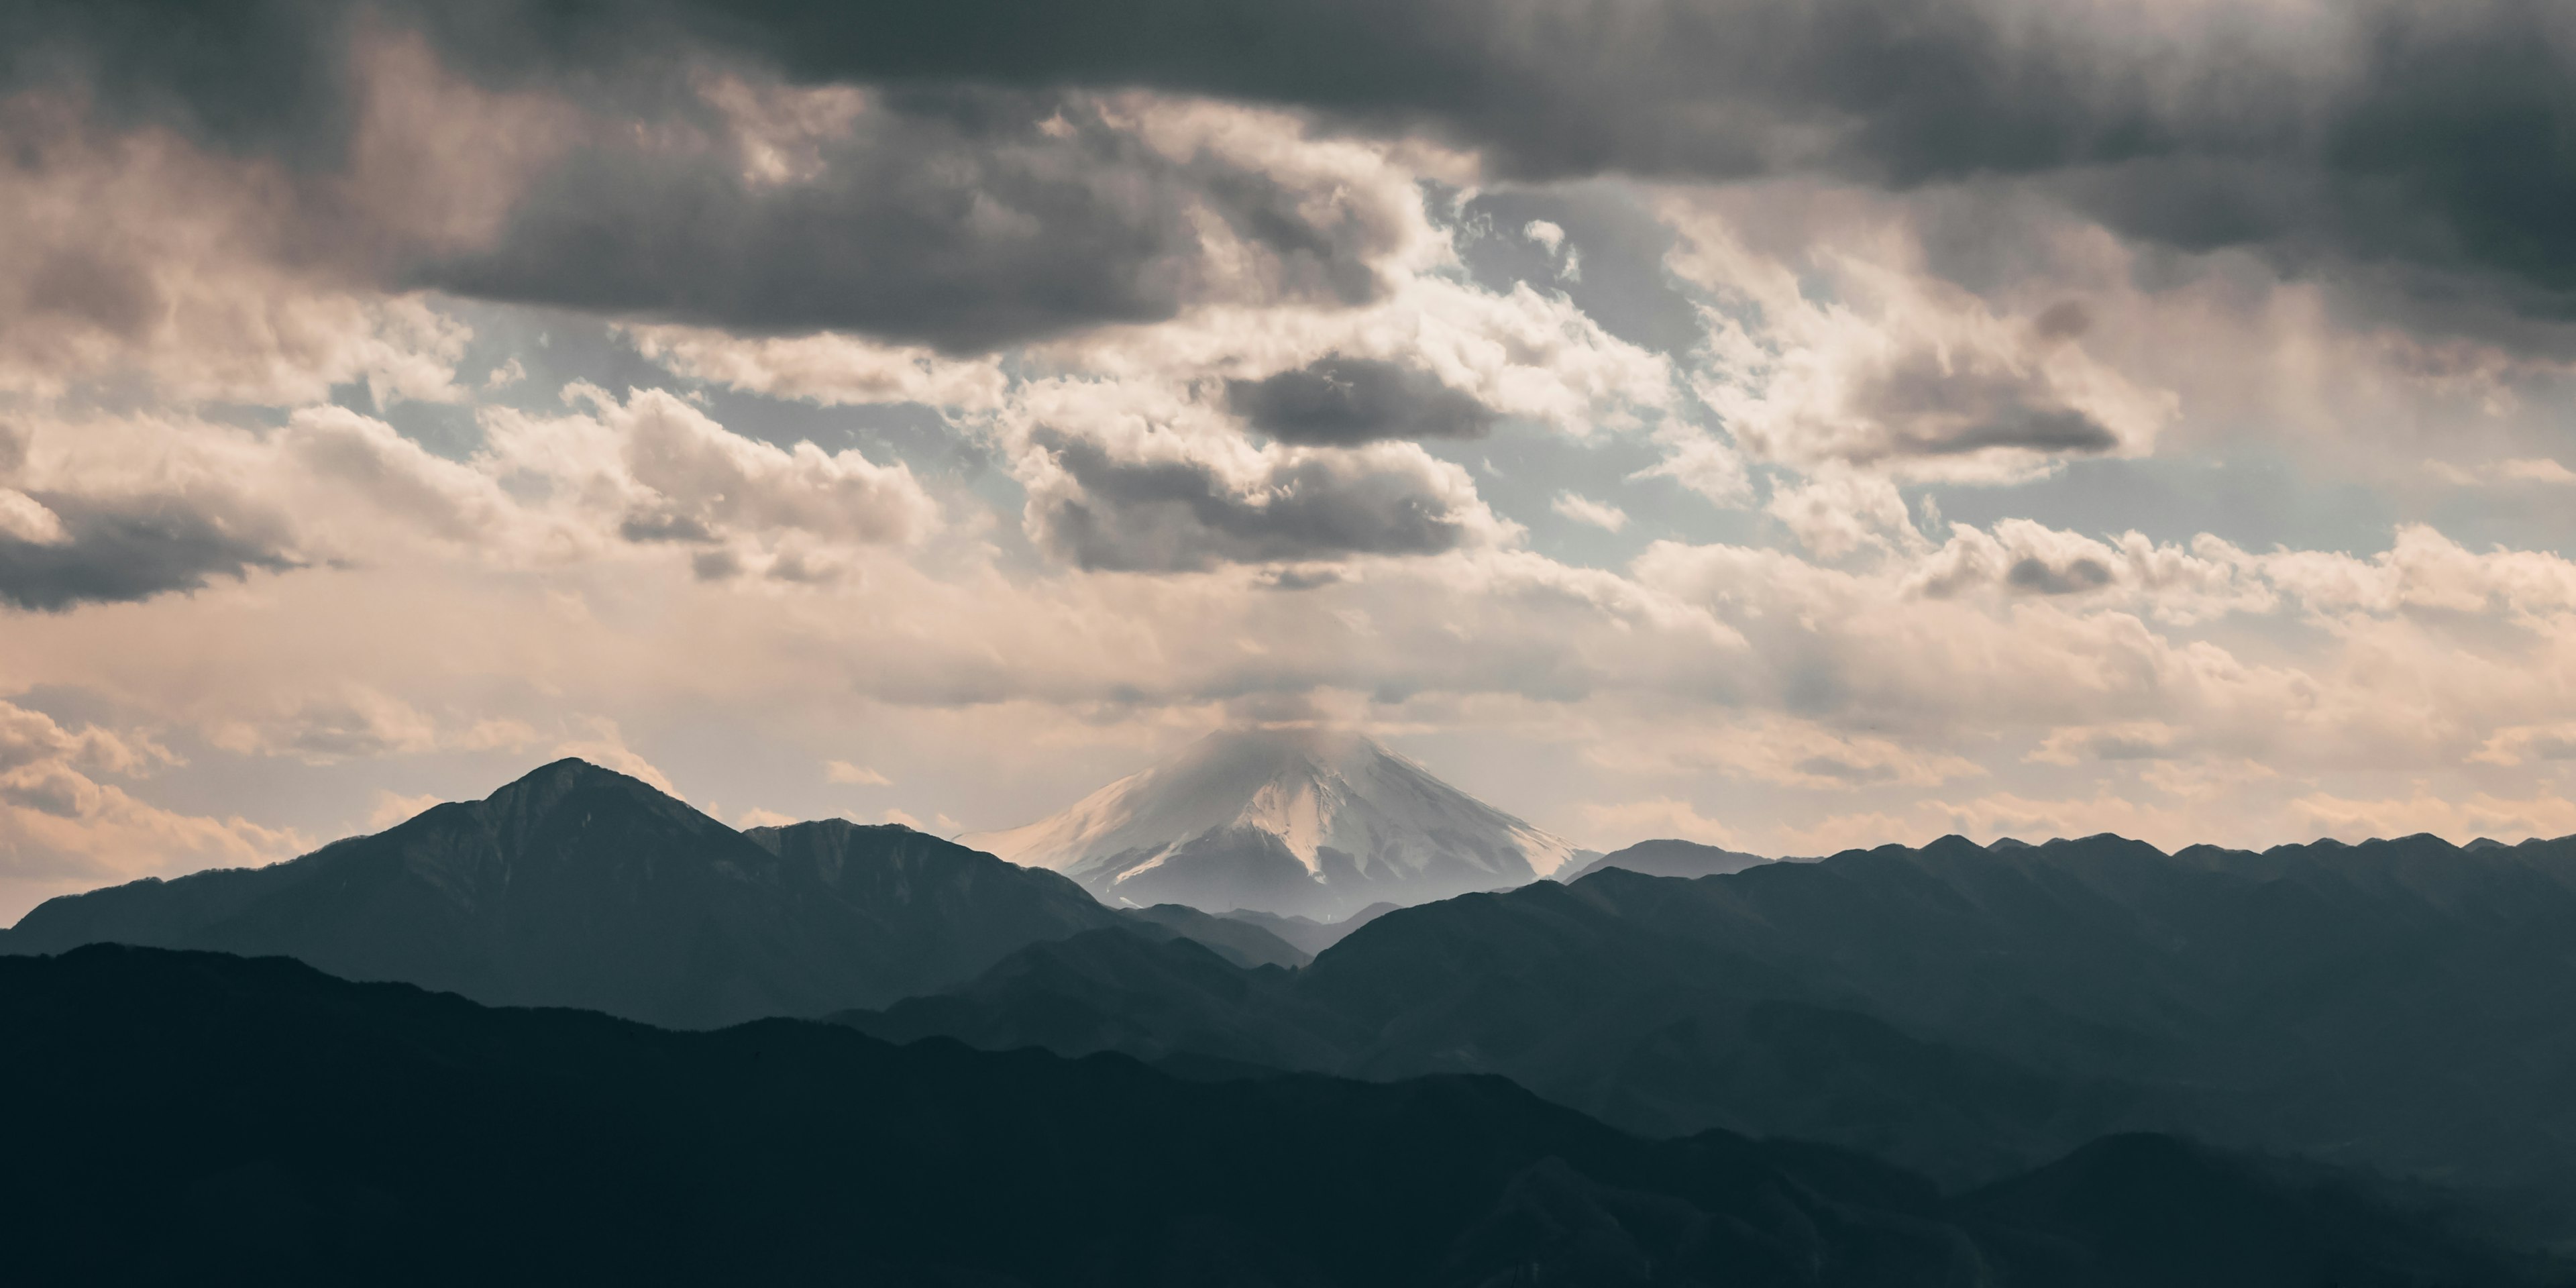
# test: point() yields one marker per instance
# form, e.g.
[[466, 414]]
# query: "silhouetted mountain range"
[[1968, 1012], [576, 886], [211, 1119], [2403, 1005], [1670, 859], [1309, 935]]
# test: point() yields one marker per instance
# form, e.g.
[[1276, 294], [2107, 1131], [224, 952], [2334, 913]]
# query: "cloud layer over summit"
[[1785, 423]]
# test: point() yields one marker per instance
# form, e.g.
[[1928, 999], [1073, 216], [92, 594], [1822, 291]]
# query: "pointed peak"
[[543, 788], [1283, 817], [569, 772]]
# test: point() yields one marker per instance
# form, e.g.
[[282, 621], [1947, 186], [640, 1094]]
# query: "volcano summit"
[[1290, 820]]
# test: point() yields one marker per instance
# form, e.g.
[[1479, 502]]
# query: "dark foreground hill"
[[1307, 934], [576, 886], [199, 1118], [1670, 859], [2406, 1006]]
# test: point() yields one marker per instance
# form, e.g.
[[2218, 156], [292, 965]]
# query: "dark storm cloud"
[[962, 215], [1927, 408], [1552, 89], [1183, 515], [964, 218], [1337, 401], [2434, 138], [267, 75], [125, 550], [2037, 576], [2436, 143]]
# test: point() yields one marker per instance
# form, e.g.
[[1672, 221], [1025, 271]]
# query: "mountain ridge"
[[1669, 858], [575, 885], [2405, 1005], [551, 1145]]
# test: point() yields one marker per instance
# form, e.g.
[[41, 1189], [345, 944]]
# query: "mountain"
[[2251, 1222], [1236, 939], [576, 886], [1670, 859], [1307, 934], [212, 1119], [1295, 821], [2406, 1006], [1111, 991]]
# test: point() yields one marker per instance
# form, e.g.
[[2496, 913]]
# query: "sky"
[[1786, 424]]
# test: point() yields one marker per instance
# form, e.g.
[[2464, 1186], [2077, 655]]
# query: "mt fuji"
[[1289, 820]]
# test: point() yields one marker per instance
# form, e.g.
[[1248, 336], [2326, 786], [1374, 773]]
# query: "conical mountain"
[[1297, 820], [577, 886]]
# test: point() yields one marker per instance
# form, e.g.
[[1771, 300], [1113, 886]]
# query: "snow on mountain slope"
[[1289, 820]]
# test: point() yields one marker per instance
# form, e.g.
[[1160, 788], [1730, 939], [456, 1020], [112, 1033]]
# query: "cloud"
[[143, 506], [1203, 321], [2376, 137], [1517, 353], [122, 549], [828, 369], [357, 722], [1337, 401], [965, 216], [1702, 462], [2178, 583], [1625, 823], [2538, 471], [393, 808], [1841, 512], [130, 252], [1608, 518], [960, 218], [2373, 133], [2126, 740], [25, 519], [2522, 744], [1168, 512], [650, 470], [2424, 570], [34, 738], [1778, 749], [1932, 409], [606, 748], [363, 460], [2541, 470], [1833, 344], [2479, 815], [61, 829], [842, 771]]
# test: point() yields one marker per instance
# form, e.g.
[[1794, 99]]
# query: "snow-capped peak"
[[1221, 824]]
